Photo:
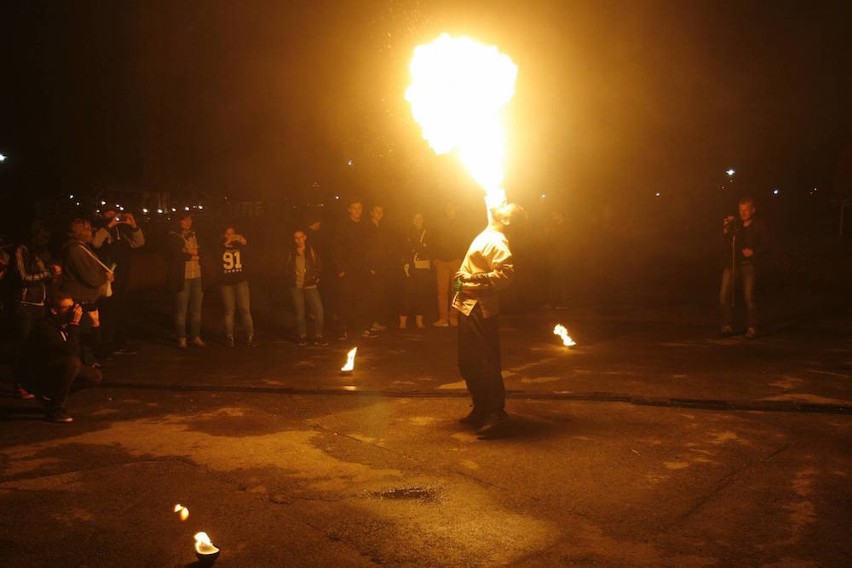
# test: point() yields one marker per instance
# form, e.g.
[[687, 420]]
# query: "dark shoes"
[[57, 415], [475, 419], [493, 427], [487, 426]]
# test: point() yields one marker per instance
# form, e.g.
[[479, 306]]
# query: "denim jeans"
[[189, 299], [312, 297], [746, 275], [236, 296]]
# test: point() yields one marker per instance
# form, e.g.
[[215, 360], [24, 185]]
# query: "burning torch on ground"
[[350, 362], [562, 332]]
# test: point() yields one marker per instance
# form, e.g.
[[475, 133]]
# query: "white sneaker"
[[441, 323]]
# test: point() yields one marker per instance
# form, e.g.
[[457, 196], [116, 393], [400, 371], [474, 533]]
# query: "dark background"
[[616, 101]]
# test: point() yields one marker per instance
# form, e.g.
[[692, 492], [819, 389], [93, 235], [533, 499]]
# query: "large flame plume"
[[459, 89]]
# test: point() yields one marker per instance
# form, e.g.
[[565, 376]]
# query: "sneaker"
[[22, 393], [493, 427], [57, 415], [377, 327], [198, 342], [302, 342], [320, 342], [751, 333], [250, 342], [369, 334], [475, 419], [181, 343], [441, 323], [229, 341]]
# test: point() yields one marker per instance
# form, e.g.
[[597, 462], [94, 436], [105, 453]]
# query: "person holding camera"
[[86, 279], [744, 246], [49, 362], [234, 286], [113, 240], [183, 279]]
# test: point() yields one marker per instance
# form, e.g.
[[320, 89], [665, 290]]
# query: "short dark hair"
[[509, 214], [56, 298]]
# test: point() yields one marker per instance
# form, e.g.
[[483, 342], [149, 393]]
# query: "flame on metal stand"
[[458, 92], [350, 361], [562, 332], [182, 511]]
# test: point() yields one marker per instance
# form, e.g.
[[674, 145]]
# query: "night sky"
[[620, 99]]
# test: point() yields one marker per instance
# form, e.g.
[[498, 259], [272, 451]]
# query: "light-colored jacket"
[[486, 269]]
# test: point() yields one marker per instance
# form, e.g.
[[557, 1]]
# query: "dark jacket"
[[754, 237], [313, 266], [48, 343], [32, 277]]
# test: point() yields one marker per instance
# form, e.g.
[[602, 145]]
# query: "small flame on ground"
[[203, 544], [562, 332], [350, 360], [183, 511]]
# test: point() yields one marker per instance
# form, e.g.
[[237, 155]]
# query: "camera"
[[733, 224]]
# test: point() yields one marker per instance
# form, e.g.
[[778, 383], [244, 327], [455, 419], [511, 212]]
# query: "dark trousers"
[[479, 361], [58, 378], [354, 289]]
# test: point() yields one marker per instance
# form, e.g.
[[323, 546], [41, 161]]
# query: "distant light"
[[349, 163], [200, 206], [337, 197], [2, 157], [731, 171], [776, 191], [658, 194], [70, 196], [544, 196], [78, 204], [145, 210], [186, 208], [103, 202], [120, 208], [160, 211]]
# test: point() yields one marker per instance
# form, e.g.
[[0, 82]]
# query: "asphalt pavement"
[[652, 442]]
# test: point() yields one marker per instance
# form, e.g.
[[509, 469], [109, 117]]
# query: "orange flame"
[[203, 545], [458, 91], [562, 332], [183, 511], [350, 360]]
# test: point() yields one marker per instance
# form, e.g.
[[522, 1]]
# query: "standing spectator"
[[383, 263], [235, 286], [487, 268], [319, 240], [417, 267], [450, 246], [303, 269], [352, 264], [35, 272], [49, 363], [184, 280], [745, 242], [86, 279], [113, 240]]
